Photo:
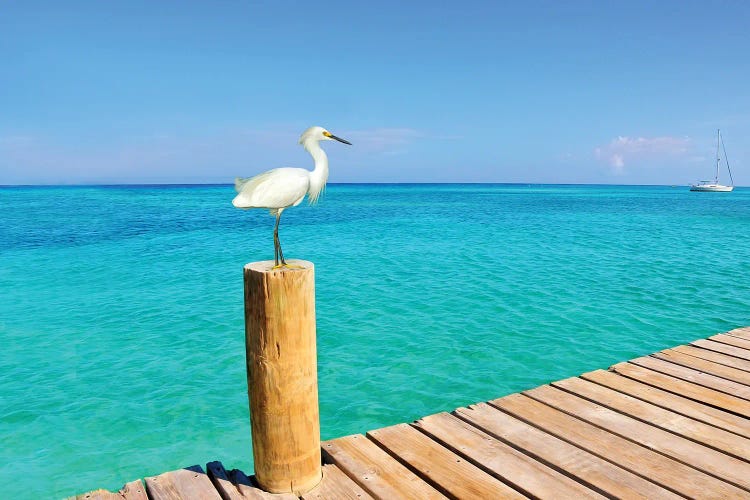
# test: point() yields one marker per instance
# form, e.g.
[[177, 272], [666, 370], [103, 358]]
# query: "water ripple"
[[122, 318]]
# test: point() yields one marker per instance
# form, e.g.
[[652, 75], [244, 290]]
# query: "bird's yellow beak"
[[331, 136]]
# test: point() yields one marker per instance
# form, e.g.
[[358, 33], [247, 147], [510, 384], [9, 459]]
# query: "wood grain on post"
[[282, 377]]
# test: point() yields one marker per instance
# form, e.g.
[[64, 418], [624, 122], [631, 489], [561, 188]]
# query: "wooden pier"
[[670, 425]]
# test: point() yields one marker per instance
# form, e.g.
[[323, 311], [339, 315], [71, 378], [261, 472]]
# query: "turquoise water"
[[121, 315]]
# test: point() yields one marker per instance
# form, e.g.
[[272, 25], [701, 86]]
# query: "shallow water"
[[122, 326]]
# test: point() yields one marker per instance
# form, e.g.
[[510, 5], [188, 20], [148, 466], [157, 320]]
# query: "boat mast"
[[726, 158], [718, 158]]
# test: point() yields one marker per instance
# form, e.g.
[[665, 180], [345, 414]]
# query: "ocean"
[[121, 308]]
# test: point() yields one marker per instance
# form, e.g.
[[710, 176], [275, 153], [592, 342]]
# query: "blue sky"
[[559, 92]]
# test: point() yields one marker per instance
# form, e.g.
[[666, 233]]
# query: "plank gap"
[[694, 376], [695, 398], [533, 455], [713, 356], [375, 470], [732, 340], [676, 403], [722, 348], [412, 468], [470, 460], [635, 470], [729, 373], [684, 434], [673, 450], [438, 464]]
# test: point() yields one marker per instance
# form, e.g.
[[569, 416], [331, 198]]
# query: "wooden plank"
[[190, 482], [133, 490], [716, 357], [513, 467], [439, 466], [673, 402], [683, 388], [743, 333], [100, 494], [695, 376], [336, 484], [665, 419], [704, 365], [235, 485], [571, 460], [375, 470], [218, 475], [722, 348], [732, 340], [658, 468], [248, 486], [702, 458]]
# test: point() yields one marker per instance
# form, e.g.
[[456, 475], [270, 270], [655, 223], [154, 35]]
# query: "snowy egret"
[[282, 188]]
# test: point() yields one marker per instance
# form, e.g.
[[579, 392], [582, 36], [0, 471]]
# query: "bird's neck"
[[319, 175]]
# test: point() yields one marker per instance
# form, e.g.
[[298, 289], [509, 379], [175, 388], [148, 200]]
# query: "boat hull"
[[711, 188]]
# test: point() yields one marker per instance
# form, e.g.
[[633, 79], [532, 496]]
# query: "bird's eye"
[[327, 133]]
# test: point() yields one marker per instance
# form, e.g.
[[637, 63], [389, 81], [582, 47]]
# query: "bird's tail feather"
[[239, 182]]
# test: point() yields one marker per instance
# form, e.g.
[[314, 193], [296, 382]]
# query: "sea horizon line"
[[229, 184]]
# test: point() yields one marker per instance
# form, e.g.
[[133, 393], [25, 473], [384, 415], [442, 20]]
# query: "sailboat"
[[714, 185]]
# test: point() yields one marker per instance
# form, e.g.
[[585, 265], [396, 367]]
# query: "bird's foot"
[[284, 265]]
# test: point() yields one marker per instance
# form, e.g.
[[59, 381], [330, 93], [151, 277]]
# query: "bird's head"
[[319, 134]]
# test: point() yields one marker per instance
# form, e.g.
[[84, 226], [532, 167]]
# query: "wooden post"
[[282, 376]]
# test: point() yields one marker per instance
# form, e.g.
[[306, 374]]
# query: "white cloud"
[[617, 162], [642, 150]]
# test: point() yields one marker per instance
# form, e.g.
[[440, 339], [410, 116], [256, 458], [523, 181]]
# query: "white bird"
[[281, 188]]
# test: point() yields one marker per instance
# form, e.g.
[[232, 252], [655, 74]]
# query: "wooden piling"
[[282, 377]]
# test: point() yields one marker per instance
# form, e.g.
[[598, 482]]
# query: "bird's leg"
[[277, 243], [275, 252], [279, 254]]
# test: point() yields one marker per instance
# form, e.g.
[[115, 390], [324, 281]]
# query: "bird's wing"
[[277, 188]]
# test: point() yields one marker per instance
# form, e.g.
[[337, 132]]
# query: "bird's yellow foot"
[[287, 266]]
